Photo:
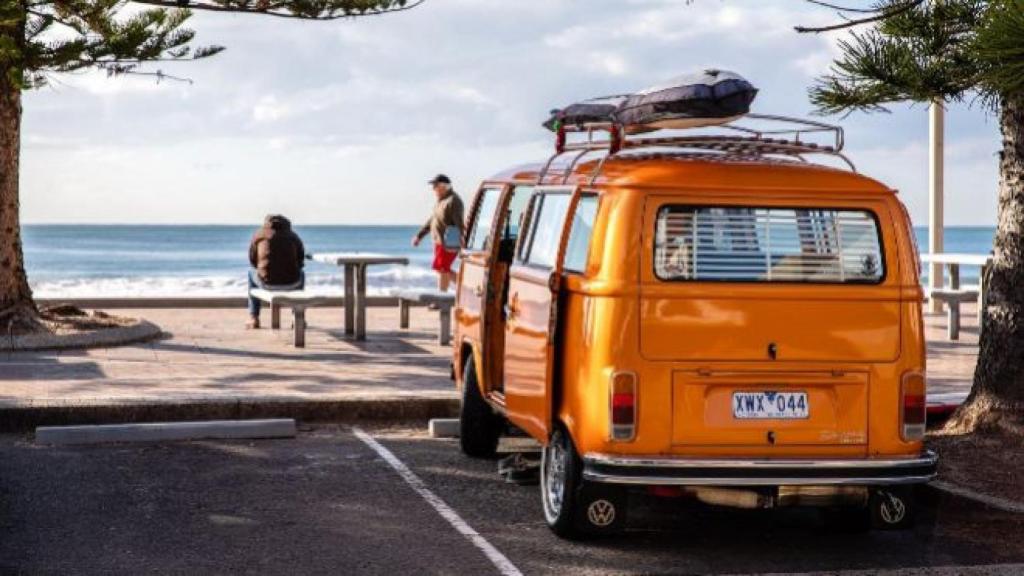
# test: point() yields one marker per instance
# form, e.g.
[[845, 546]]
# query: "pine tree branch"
[[72, 25], [265, 8], [160, 76], [878, 16], [842, 8]]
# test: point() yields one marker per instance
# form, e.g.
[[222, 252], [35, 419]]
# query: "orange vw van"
[[712, 316]]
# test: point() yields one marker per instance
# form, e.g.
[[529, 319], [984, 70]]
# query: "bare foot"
[[253, 324]]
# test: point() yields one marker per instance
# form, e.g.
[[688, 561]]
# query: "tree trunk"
[[997, 397], [17, 310]]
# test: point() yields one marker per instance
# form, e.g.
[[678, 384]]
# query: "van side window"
[[483, 220], [545, 223], [516, 206], [751, 244], [579, 236]]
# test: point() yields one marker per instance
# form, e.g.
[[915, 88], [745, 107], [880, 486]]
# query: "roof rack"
[[785, 139]]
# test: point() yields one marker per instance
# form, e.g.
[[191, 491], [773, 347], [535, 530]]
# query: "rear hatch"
[[780, 310]]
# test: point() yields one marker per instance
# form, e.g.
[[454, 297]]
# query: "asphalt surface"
[[325, 502]]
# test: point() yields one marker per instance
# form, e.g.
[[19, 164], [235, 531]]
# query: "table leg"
[[445, 337], [350, 299], [300, 327], [361, 302]]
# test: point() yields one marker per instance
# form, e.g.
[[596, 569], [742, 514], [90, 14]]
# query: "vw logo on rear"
[[892, 508], [601, 513]]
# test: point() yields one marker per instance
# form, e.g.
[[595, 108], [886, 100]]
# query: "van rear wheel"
[[887, 508], [480, 427], [574, 508]]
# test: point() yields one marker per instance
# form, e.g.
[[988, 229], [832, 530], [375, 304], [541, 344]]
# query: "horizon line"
[[221, 224], [364, 225]]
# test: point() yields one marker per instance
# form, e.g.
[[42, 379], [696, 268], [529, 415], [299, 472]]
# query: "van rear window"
[[751, 244]]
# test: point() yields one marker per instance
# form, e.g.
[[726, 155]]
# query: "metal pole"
[[936, 195]]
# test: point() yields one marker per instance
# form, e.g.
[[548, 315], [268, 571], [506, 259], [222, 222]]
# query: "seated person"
[[277, 257]]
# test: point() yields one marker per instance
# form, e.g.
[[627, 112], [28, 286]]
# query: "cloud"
[[268, 109], [294, 112]]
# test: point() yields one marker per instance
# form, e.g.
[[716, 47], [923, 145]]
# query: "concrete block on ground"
[[444, 428], [166, 431]]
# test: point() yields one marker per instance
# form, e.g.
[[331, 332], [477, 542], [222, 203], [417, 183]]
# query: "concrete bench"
[[442, 301], [297, 300], [953, 298]]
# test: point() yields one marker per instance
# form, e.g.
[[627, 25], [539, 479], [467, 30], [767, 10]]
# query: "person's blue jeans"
[[256, 282]]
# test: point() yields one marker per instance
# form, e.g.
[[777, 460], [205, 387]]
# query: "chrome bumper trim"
[[791, 472]]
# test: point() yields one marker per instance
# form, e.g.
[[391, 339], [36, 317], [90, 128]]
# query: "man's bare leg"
[[444, 279]]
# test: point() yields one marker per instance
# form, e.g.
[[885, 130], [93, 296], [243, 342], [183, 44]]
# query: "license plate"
[[769, 405]]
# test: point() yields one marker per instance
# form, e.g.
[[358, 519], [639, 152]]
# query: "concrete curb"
[[443, 427], [395, 409], [142, 331], [166, 431]]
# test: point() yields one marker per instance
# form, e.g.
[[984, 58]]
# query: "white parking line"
[[991, 501], [503, 564], [987, 570]]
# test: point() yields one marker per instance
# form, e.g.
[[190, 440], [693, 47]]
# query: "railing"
[[783, 137]]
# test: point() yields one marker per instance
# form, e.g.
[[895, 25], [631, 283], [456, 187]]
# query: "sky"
[[343, 122]]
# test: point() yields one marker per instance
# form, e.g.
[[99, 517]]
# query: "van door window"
[[751, 244], [483, 220], [545, 232], [516, 206], [579, 236]]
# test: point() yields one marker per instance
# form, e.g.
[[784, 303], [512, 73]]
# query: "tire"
[[848, 519], [480, 427], [892, 508], [574, 508]]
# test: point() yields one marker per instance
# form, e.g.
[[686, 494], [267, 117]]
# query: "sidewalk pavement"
[[951, 362], [209, 366]]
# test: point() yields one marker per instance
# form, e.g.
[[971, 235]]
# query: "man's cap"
[[440, 179]]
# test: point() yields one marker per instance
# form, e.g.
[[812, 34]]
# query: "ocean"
[[67, 261]]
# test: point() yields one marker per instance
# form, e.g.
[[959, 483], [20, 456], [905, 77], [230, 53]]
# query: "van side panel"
[[598, 321]]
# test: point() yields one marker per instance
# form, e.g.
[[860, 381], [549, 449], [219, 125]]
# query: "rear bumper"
[[651, 471]]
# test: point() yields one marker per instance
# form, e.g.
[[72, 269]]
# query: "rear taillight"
[[912, 406], [623, 406]]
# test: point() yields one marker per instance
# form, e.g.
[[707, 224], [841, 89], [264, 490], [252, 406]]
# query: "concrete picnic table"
[[355, 264], [952, 261]]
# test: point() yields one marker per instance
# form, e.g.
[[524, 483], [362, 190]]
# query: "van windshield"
[[754, 244]]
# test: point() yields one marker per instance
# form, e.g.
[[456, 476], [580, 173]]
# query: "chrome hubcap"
[[554, 475]]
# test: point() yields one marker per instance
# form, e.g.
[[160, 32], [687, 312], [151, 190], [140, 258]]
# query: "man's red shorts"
[[443, 259]]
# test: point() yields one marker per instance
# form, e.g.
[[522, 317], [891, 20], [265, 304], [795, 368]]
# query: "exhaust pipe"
[[786, 496], [732, 497], [822, 496]]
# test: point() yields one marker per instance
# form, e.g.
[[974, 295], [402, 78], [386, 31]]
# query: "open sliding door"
[[531, 312]]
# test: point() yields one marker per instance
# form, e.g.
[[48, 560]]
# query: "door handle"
[[512, 309], [478, 291]]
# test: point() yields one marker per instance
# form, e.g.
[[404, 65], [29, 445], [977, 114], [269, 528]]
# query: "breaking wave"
[[384, 281]]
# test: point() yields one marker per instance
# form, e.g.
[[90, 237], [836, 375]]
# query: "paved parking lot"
[[327, 502]]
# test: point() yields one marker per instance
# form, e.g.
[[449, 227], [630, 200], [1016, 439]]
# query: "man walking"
[[445, 227], [277, 256]]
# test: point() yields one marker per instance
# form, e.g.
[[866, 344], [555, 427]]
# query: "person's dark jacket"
[[276, 252]]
